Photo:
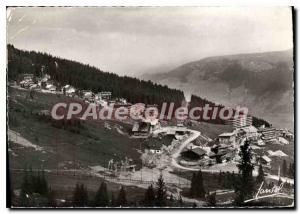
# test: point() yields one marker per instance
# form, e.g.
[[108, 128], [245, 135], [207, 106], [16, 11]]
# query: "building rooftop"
[[135, 127], [227, 134], [140, 127], [196, 150], [266, 158], [249, 129]]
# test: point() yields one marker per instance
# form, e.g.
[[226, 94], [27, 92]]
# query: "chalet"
[[227, 138], [69, 90], [104, 95], [154, 123], [45, 78], [269, 134], [101, 102], [111, 102], [288, 135], [44, 113], [97, 96], [265, 161], [44, 81], [154, 147], [34, 86], [224, 152], [141, 129], [260, 143], [179, 125], [51, 87], [228, 157], [250, 132], [87, 94], [277, 153], [28, 77], [181, 131], [121, 101], [26, 84], [193, 153]]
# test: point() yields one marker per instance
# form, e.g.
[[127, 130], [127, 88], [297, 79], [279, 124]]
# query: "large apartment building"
[[240, 121]]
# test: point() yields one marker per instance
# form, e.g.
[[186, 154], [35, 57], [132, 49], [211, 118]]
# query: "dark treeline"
[[287, 171], [154, 197], [201, 102], [35, 190], [86, 77]]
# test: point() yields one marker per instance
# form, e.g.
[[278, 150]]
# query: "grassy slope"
[[211, 130], [95, 145]]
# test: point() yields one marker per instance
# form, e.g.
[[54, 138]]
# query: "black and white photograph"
[[111, 107]]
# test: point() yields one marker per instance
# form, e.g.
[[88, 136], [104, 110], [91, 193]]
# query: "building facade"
[[239, 121]]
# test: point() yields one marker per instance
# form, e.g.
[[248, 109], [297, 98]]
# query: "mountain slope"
[[263, 82]]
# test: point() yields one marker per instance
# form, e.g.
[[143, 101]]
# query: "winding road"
[[194, 135]]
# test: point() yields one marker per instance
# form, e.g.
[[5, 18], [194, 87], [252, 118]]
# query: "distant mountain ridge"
[[263, 82]]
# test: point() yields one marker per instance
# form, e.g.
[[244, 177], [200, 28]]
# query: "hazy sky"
[[132, 40]]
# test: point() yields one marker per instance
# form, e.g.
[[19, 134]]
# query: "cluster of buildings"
[[46, 84], [103, 98], [29, 81], [225, 148], [194, 155]]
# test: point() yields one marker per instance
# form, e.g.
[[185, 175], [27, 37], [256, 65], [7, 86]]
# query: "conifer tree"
[[227, 180], [284, 168], [161, 194], [193, 184], [199, 185], [122, 200], [112, 200], [84, 195], [43, 185], [220, 178], [232, 179], [244, 187], [51, 198], [32, 180], [80, 197], [211, 199], [291, 170], [180, 201], [171, 198], [25, 190], [279, 182], [149, 199], [101, 198]]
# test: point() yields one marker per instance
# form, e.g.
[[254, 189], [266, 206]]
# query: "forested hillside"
[[198, 101], [84, 76]]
